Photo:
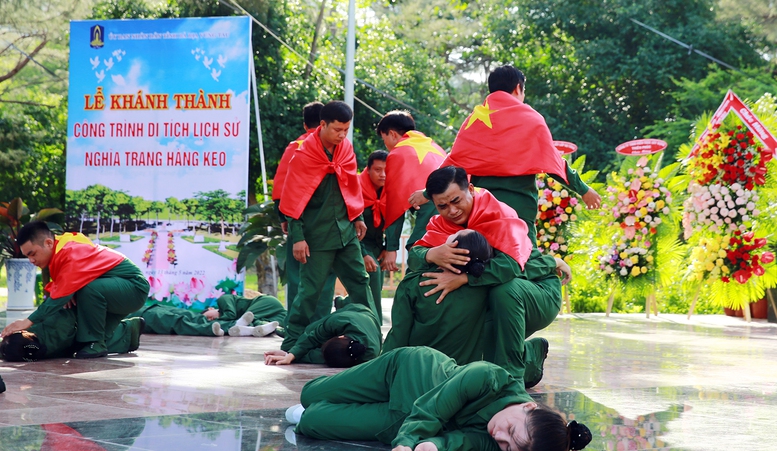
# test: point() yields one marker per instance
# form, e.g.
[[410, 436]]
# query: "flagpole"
[[350, 50]]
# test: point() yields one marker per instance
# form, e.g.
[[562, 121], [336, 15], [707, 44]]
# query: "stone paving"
[[660, 383]]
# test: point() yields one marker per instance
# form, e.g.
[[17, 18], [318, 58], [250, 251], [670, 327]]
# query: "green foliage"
[[13, 216], [260, 233]]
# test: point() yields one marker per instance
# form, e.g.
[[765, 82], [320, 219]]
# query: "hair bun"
[[579, 435], [357, 350], [476, 268]]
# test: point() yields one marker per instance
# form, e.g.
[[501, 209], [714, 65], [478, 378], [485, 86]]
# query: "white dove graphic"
[[118, 79], [197, 57], [222, 60], [118, 53], [95, 62], [207, 62], [215, 74], [108, 63], [100, 75]]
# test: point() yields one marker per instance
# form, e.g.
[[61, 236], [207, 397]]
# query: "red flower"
[[767, 257]]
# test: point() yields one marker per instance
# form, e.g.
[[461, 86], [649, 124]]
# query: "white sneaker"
[[246, 319], [265, 329], [294, 413], [290, 436], [234, 331], [217, 330]]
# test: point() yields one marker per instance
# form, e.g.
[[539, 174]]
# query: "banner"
[[157, 154], [732, 103], [641, 147]]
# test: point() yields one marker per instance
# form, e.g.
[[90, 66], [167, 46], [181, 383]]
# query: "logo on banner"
[[96, 34], [733, 103], [565, 147], [641, 147]]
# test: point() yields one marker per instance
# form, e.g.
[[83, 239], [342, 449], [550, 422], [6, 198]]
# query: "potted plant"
[[21, 273]]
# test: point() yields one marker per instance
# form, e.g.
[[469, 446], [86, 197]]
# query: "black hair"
[[548, 431], [342, 352], [336, 111], [311, 114], [22, 346], [480, 252], [379, 155], [398, 120], [506, 78], [35, 231], [440, 179]]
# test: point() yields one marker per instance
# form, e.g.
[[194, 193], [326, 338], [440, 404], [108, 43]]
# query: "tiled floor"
[[666, 383]]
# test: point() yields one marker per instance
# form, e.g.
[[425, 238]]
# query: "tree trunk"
[[314, 44], [264, 273]]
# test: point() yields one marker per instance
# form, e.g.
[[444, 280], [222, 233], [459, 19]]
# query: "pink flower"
[[181, 289], [196, 286], [216, 293]]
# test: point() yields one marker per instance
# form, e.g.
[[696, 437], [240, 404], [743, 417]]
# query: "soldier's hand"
[[285, 227], [401, 448], [301, 251], [361, 229], [278, 358], [592, 199], [426, 446], [446, 255], [388, 261], [417, 199], [369, 264], [445, 281], [16, 326]]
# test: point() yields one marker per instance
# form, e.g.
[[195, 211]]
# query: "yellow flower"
[[557, 200], [719, 262], [623, 255], [634, 259], [547, 244], [722, 253], [644, 212], [708, 265], [643, 269], [724, 269], [649, 258], [568, 209], [544, 208], [660, 204], [635, 271]]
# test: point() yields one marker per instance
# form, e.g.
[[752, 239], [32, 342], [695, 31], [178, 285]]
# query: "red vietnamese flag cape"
[[308, 168], [496, 221], [76, 262], [370, 197], [504, 137], [283, 165], [407, 168], [61, 437]]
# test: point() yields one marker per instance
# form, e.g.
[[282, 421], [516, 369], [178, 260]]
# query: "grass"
[[115, 237], [231, 251], [208, 239]]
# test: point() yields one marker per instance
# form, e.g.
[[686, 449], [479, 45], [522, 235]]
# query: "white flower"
[[750, 206], [624, 271], [732, 214], [756, 212], [742, 211], [736, 186]]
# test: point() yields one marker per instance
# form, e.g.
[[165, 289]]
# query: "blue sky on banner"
[[193, 149]]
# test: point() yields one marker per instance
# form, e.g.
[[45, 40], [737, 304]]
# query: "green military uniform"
[[324, 306], [354, 320], [331, 237], [56, 328], [409, 396], [519, 302], [521, 193], [265, 308], [372, 245], [166, 320], [422, 217], [104, 302]]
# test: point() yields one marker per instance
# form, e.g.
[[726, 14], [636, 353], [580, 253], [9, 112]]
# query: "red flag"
[[505, 137], [61, 437], [370, 197], [76, 262], [500, 224], [407, 168], [308, 168], [283, 166]]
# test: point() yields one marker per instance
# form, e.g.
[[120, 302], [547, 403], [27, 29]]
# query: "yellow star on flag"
[[421, 144], [481, 113], [299, 143]]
